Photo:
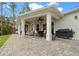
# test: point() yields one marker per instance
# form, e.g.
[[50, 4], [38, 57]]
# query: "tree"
[[1, 7], [7, 28], [25, 7], [1, 17], [13, 8]]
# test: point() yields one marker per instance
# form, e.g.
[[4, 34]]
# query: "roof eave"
[[37, 10], [71, 11]]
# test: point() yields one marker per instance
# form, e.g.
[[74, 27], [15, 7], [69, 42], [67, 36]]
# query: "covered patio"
[[39, 21]]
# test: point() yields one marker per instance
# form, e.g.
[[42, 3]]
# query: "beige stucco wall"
[[69, 21]]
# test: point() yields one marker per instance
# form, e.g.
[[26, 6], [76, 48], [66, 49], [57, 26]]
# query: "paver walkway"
[[35, 46]]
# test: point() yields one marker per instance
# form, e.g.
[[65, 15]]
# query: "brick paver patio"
[[35, 46]]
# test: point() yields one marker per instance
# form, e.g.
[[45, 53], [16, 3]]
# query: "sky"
[[62, 6]]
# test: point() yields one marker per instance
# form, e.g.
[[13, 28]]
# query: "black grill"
[[64, 33]]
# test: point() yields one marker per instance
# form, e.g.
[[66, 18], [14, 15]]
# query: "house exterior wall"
[[69, 22]]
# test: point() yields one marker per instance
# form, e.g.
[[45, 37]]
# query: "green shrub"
[[7, 28]]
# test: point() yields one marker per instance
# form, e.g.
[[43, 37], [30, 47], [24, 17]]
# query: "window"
[[37, 27], [26, 28], [44, 26]]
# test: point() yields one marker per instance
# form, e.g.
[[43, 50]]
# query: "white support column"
[[49, 32], [19, 29], [34, 26], [23, 27]]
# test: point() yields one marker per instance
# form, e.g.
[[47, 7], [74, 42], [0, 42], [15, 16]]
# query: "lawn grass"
[[3, 39]]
